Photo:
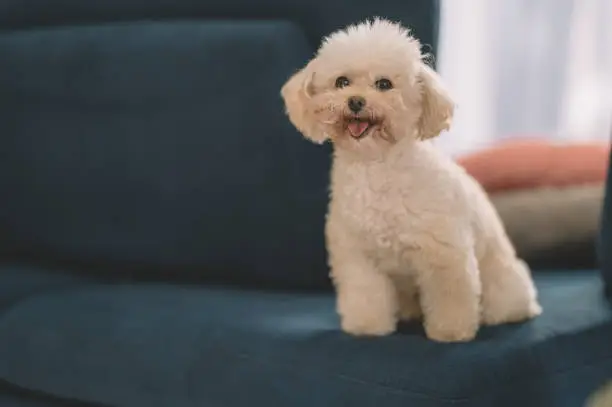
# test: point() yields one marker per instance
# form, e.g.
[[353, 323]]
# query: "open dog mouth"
[[358, 128]]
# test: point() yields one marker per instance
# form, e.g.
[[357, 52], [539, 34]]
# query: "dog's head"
[[367, 88]]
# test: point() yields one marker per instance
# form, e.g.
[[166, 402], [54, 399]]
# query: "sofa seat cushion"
[[12, 398], [12, 401], [20, 281], [162, 345]]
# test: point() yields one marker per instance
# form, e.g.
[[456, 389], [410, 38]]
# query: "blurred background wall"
[[524, 68]]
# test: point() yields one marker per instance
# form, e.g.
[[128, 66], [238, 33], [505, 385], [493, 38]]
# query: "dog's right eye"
[[342, 82]]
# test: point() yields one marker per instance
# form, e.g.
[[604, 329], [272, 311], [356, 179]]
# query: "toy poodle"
[[409, 233]]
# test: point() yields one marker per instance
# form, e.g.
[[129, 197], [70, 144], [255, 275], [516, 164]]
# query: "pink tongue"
[[357, 128]]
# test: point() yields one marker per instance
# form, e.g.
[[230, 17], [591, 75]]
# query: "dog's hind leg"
[[508, 292]]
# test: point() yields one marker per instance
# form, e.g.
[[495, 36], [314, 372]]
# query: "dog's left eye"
[[383, 84]]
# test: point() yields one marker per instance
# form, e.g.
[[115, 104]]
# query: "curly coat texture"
[[410, 234]]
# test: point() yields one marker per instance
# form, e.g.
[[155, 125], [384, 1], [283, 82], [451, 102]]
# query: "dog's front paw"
[[364, 325], [451, 331], [367, 303]]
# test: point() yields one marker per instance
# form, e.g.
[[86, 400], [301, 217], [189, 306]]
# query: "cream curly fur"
[[409, 233]]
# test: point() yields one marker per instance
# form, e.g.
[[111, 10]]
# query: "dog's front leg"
[[366, 297], [449, 285]]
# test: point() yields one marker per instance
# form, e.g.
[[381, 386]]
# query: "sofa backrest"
[[605, 239], [148, 136]]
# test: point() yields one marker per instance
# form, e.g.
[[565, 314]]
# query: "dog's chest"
[[374, 207]]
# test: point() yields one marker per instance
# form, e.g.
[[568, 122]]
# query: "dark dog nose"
[[356, 103]]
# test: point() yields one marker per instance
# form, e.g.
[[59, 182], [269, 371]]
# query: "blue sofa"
[[161, 226]]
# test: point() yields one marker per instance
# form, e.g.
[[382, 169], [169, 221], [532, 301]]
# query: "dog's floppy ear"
[[437, 105], [296, 93]]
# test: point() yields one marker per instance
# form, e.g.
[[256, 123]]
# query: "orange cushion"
[[537, 163]]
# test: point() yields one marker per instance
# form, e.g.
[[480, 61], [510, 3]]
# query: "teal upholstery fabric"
[[161, 146], [160, 345], [316, 18], [18, 281], [11, 401], [605, 239], [22, 398], [149, 137]]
